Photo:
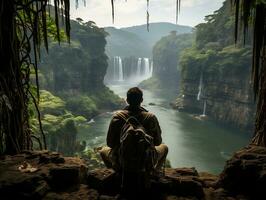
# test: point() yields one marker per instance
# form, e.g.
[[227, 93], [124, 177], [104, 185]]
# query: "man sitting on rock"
[[134, 139]]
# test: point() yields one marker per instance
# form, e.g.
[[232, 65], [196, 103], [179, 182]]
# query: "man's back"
[[149, 126], [145, 118]]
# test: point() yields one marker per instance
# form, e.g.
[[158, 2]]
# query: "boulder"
[[56, 177], [82, 192], [104, 180], [52, 172], [208, 180], [245, 173], [180, 181]]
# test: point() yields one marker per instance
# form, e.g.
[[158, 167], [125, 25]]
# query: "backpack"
[[137, 154]]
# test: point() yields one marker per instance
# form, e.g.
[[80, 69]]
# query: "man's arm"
[[113, 134], [156, 131]]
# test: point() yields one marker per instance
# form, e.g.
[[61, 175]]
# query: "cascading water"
[[128, 70], [120, 70], [146, 68], [204, 109], [114, 68], [200, 87], [118, 74], [151, 69], [200, 95], [139, 67]]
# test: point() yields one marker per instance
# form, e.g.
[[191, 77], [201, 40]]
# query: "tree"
[[255, 11], [23, 27]]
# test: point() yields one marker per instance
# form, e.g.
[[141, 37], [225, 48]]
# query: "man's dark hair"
[[134, 96]]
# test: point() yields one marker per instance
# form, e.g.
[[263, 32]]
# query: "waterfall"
[[128, 70], [120, 70], [118, 74], [151, 69], [114, 68], [200, 87], [204, 109], [146, 68], [139, 67]]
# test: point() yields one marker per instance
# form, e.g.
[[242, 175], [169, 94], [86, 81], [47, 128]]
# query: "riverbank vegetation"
[[72, 89]]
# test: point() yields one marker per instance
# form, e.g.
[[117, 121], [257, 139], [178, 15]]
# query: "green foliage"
[[52, 30], [79, 66], [166, 53], [219, 27], [105, 98], [236, 61], [229, 61], [82, 105], [50, 103], [172, 45], [59, 125], [55, 114], [152, 83], [75, 71], [214, 53], [193, 61], [93, 159], [91, 104]]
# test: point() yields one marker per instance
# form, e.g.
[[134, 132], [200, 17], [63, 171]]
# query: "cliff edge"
[[48, 175]]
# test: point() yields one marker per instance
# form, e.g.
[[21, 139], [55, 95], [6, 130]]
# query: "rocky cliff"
[[227, 99], [166, 53], [215, 73], [48, 175]]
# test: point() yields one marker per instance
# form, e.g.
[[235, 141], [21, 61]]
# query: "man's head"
[[134, 96]]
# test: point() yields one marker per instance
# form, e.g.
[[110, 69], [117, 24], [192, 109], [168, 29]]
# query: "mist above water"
[[133, 70]]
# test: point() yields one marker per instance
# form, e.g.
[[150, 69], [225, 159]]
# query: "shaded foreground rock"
[[60, 178], [245, 173], [54, 172], [176, 182]]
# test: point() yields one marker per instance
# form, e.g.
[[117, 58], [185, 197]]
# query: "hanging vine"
[[23, 29]]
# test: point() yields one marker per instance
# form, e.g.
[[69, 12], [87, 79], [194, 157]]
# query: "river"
[[202, 144]]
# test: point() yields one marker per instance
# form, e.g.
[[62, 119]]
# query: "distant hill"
[[137, 41], [124, 43], [157, 31]]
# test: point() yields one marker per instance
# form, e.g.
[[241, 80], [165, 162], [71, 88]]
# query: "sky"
[[133, 12]]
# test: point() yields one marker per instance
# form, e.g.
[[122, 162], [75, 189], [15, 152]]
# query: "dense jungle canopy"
[[24, 28]]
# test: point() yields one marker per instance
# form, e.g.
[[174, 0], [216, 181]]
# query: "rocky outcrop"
[[47, 175], [245, 173], [184, 182], [166, 54], [53, 173], [228, 99], [216, 72]]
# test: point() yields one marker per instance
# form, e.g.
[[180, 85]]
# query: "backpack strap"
[[126, 116], [122, 115]]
